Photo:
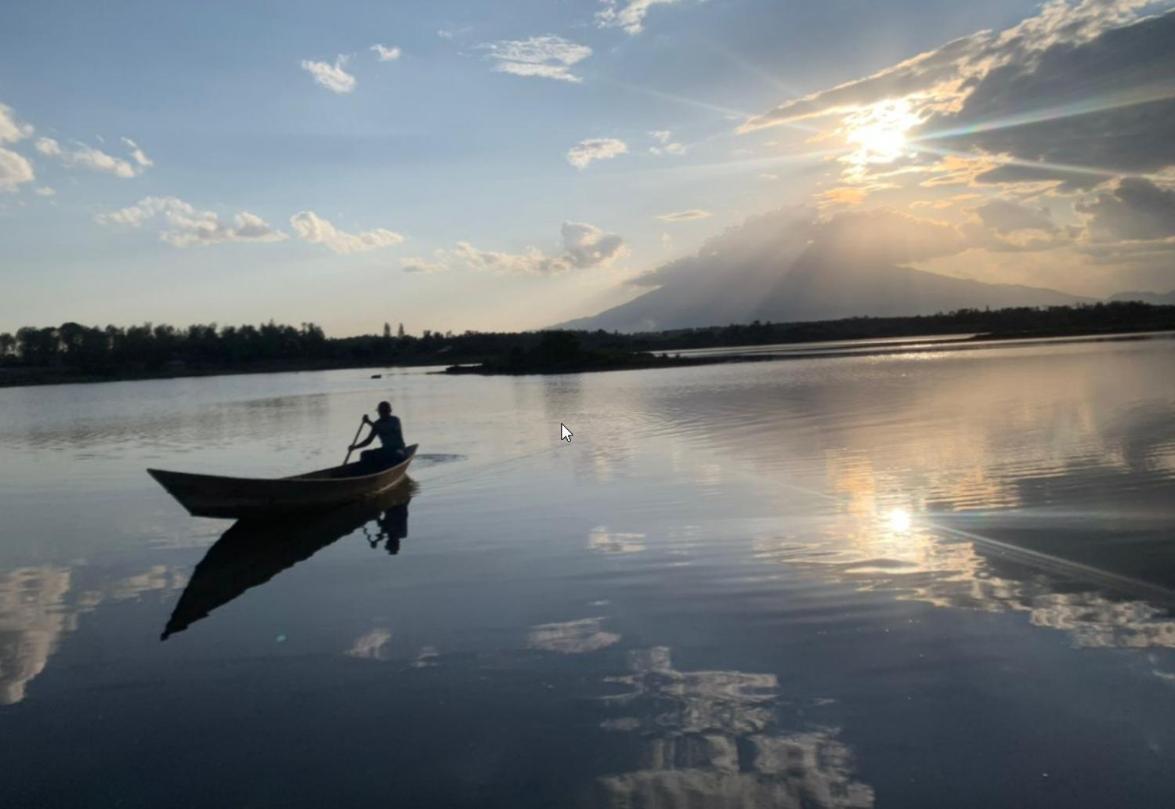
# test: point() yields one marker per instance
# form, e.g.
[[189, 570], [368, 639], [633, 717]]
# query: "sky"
[[509, 165]]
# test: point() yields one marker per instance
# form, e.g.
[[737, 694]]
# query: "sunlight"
[[879, 132], [899, 520]]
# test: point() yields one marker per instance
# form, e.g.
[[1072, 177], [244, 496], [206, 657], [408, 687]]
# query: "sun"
[[878, 133]]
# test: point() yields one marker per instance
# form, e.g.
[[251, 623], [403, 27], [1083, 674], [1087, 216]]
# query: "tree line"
[[72, 349]]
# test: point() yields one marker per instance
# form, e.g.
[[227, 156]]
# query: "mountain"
[[819, 284], [1156, 298]]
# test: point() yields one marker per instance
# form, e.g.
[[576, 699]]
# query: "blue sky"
[[284, 170]]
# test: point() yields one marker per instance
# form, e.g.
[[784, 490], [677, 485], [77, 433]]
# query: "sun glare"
[[899, 520], [878, 133]]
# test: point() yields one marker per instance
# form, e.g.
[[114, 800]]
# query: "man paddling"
[[391, 438]]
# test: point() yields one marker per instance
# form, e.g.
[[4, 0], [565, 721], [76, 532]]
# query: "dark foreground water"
[[932, 579]]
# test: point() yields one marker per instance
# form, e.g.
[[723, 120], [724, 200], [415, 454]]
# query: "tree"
[[400, 331], [387, 331], [7, 344]]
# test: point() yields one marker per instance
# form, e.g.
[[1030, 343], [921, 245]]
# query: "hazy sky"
[[507, 165]]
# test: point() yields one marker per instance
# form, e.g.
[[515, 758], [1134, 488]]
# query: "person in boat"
[[391, 438]]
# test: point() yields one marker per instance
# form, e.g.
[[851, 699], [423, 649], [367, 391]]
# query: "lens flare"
[[878, 133]]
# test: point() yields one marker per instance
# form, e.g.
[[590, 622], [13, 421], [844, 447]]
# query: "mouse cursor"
[[564, 433]]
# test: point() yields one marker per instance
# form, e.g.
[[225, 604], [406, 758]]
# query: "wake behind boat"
[[235, 498]]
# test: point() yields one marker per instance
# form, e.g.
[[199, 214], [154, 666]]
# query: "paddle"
[[353, 440]]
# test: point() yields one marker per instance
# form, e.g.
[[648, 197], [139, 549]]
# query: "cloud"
[[583, 246], [11, 129], [584, 152], [332, 77], [185, 226], [44, 191], [666, 144], [14, 170], [312, 228], [422, 265], [547, 57], [684, 216], [532, 261], [1079, 93], [941, 80], [138, 155], [48, 147], [1136, 209], [886, 236], [1004, 216], [384, 53], [628, 16], [842, 195], [89, 157], [588, 246], [1084, 110]]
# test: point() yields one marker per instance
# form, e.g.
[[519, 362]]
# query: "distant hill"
[[815, 285], [1155, 298]]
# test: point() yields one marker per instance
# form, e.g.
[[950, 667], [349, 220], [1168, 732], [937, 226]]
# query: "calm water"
[[930, 579]]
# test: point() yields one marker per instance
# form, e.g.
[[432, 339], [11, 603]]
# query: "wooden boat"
[[236, 498]]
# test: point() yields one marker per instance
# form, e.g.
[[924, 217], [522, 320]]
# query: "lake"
[[928, 578]]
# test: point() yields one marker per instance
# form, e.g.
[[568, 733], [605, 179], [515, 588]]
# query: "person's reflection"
[[390, 527], [250, 553]]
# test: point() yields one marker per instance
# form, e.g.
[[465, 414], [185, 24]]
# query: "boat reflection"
[[252, 552]]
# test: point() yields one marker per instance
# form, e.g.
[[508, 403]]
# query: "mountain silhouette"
[[819, 284]]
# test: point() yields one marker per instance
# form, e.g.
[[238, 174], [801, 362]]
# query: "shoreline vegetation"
[[72, 353]]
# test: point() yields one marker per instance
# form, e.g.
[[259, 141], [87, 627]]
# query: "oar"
[[353, 440]]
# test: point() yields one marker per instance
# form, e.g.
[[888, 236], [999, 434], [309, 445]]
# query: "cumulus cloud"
[[81, 155], [584, 152], [48, 147], [587, 246], [583, 246], [12, 129], [186, 226], [547, 57], [531, 261], [333, 77], [628, 15], [1135, 209], [312, 228], [684, 216], [14, 170]]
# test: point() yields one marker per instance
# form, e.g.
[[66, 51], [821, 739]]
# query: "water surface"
[[930, 578]]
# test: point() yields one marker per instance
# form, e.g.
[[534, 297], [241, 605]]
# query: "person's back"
[[391, 438], [391, 435]]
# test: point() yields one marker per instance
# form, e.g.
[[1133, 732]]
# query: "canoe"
[[253, 551], [237, 498]]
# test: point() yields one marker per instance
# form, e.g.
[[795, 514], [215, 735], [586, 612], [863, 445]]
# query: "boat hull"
[[239, 498]]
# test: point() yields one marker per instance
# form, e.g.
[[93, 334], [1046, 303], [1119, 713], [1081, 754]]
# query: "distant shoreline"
[[37, 377], [638, 361], [975, 343], [76, 354]]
